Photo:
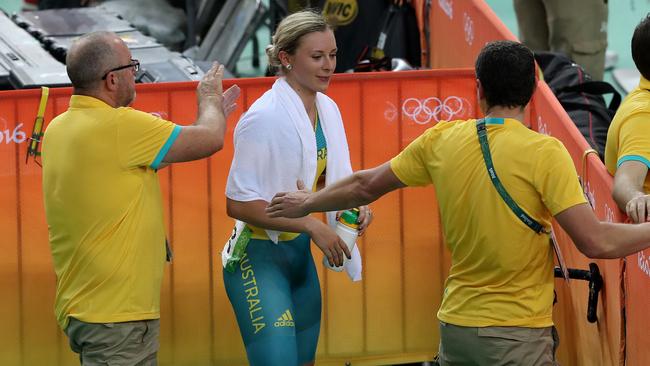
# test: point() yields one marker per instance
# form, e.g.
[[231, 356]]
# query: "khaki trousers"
[[495, 346], [577, 28], [115, 344]]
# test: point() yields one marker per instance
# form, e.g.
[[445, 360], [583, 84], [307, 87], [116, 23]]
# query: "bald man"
[[103, 204]]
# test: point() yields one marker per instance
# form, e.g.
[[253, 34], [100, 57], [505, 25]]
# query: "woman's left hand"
[[365, 218]]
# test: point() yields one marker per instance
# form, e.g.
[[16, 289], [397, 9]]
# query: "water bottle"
[[347, 229]]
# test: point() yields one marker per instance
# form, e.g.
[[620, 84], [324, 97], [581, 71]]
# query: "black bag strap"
[[595, 87], [592, 107], [481, 130]]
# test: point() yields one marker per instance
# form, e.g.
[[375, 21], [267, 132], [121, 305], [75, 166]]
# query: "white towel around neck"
[[275, 145]]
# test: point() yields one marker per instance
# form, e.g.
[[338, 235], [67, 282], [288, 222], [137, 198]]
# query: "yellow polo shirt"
[[628, 137], [104, 210], [502, 271]]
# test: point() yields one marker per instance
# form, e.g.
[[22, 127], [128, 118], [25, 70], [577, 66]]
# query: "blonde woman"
[[290, 135]]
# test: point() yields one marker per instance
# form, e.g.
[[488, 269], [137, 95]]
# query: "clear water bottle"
[[347, 229]]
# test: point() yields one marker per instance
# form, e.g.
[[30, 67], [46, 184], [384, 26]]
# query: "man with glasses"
[[135, 64], [103, 203]]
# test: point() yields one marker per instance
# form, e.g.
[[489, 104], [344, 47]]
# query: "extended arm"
[[206, 135], [597, 239], [252, 212], [360, 188]]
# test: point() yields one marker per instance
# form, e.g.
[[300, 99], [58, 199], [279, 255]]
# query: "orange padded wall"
[[388, 317]]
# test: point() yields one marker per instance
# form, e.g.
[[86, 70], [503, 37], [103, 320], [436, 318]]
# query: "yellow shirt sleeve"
[[634, 139], [410, 165], [555, 178], [144, 139]]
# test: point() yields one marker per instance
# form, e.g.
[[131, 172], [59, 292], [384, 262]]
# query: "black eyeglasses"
[[135, 64]]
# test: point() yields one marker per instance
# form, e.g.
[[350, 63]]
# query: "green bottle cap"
[[350, 216]]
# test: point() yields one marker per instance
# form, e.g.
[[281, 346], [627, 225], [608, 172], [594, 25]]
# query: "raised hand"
[[229, 99], [210, 84]]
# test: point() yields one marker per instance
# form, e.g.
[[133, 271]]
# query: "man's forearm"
[[358, 189], [346, 193], [628, 182], [211, 117], [620, 240], [624, 191], [597, 239]]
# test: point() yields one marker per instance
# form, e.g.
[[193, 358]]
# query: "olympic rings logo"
[[422, 111]]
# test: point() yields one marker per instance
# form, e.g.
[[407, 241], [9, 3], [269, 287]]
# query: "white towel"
[[275, 145]]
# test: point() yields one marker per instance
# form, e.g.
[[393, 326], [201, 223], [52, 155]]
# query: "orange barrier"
[[389, 317], [458, 30], [637, 302]]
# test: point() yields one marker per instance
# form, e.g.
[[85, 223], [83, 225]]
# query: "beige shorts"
[[115, 344], [495, 346]]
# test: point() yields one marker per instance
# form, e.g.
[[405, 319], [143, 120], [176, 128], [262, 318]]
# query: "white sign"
[[642, 262], [590, 195], [447, 7], [609, 213], [468, 26], [542, 127], [9, 135]]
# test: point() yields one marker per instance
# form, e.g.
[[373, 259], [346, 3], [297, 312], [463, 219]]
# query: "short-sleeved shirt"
[[502, 271], [104, 210], [628, 137]]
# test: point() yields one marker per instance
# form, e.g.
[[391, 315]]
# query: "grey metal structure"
[[70, 22], [162, 65], [4, 78], [58, 28], [235, 25], [27, 63], [207, 12], [59, 45]]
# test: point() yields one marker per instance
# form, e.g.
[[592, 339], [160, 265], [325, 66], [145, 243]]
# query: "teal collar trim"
[[321, 142], [494, 121]]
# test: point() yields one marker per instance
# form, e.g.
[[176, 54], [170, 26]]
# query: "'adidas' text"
[[286, 320]]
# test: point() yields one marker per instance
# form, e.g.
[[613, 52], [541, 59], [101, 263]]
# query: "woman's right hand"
[[329, 242]]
